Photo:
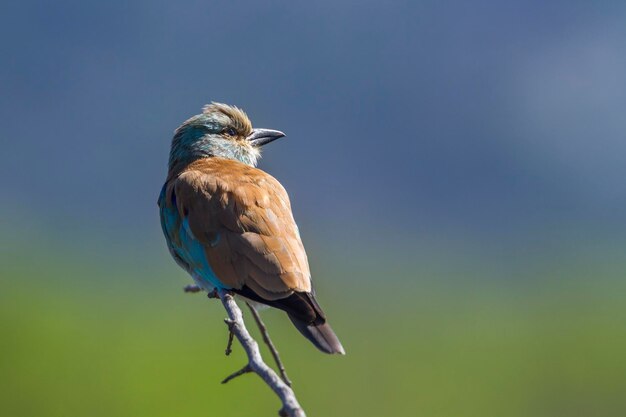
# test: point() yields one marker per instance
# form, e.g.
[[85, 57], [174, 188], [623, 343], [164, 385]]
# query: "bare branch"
[[291, 407], [268, 342]]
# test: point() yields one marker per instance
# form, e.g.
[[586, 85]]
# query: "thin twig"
[[291, 407], [229, 345], [268, 342], [246, 369]]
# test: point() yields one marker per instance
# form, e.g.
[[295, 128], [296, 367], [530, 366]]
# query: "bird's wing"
[[242, 217]]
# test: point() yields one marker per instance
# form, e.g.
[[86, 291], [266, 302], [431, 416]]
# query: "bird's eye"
[[230, 131]]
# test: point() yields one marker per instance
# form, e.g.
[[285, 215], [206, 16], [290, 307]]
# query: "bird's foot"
[[213, 293]]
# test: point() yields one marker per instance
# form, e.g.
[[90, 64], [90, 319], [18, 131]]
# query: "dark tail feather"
[[305, 314], [322, 336]]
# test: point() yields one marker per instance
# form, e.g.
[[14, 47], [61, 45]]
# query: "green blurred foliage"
[[114, 335]]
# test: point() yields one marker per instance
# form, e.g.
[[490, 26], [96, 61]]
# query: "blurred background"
[[457, 170]]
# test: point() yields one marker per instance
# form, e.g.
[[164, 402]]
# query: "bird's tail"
[[321, 335], [306, 314]]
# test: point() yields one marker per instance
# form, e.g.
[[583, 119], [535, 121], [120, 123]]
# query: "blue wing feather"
[[184, 247]]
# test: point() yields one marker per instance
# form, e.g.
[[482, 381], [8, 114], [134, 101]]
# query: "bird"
[[230, 225]]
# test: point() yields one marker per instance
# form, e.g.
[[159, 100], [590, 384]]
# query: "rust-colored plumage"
[[259, 245]]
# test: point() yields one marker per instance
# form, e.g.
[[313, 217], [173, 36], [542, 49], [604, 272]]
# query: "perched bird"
[[229, 224]]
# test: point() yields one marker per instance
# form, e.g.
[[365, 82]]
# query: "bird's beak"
[[260, 137]]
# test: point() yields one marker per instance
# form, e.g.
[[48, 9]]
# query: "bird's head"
[[220, 131]]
